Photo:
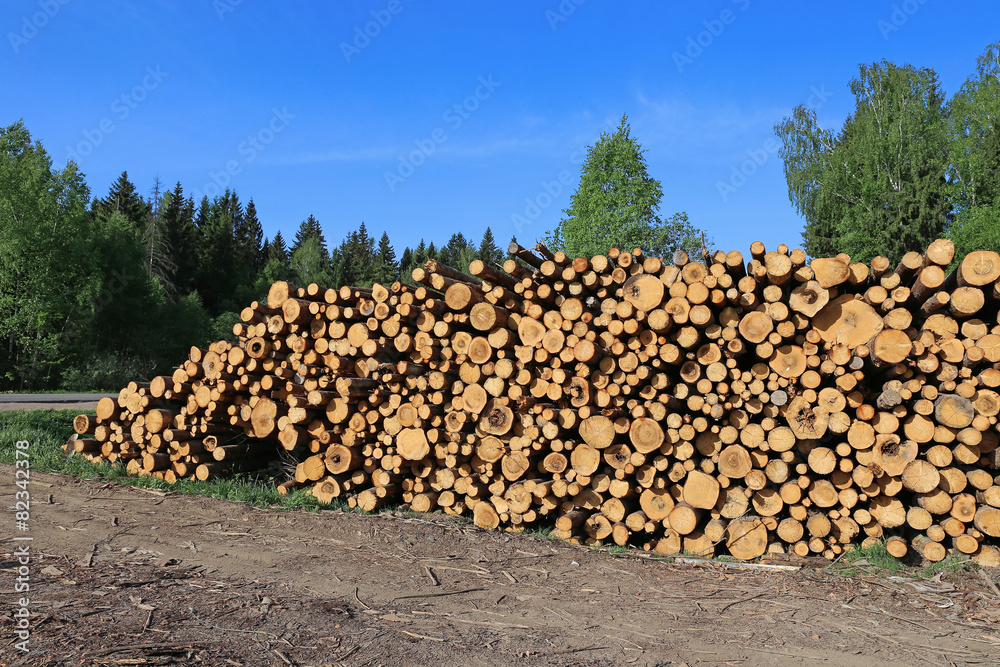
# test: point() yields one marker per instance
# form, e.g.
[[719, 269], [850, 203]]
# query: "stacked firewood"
[[770, 405]]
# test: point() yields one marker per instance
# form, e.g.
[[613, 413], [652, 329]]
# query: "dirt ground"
[[122, 576]]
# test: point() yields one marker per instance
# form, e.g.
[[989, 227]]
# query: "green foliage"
[[489, 252], [309, 264], [356, 259], [277, 250], [123, 198], [249, 242], [181, 237], [106, 371], [616, 204], [47, 279], [878, 186], [386, 269], [976, 228], [974, 173], [458, 253], [974, 134], [309, 229], [410, 260]]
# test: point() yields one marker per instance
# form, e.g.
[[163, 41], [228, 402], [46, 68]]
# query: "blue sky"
[[424, 118]]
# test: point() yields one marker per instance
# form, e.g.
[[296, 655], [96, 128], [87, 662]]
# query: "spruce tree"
[[386, 266], [250, 239], [277, 250], [122, 198], [181, 236], [218, 277], [489, 253], [420, 254], [405, 263], [309, 228], [159, 261]]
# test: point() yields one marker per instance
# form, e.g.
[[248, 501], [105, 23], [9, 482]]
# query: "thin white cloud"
[[355, 155], [451, 148]]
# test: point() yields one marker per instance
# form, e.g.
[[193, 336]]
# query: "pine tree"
[[310, 228], [309, 263], [218, 276], [458, 252], [159, 261], [420, 254], [489, 253], [277, 250], [251, 238], [358, 258], [338, 268], [386, 267], [411, 260], [405, 263], [432, 251], [125, 199], [181, 236], [248, 248]]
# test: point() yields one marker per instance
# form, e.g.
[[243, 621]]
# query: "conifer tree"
[[181, 236], [386, 267], [489, 253], [125, 199], [277, 250]]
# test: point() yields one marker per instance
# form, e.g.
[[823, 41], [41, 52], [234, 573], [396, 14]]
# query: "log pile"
[[711, 406]]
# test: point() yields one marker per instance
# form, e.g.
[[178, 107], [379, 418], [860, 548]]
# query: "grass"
[[96, 392], [47, 430], [873, 559], [542, 533], [953, 563]]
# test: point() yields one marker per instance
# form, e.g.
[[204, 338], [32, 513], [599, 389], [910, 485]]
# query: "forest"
[[97, 291]]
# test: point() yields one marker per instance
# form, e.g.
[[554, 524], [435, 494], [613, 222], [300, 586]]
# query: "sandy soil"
[[125, 576]]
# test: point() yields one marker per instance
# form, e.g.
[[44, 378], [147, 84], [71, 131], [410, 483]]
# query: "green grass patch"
[[47, 430], [542, 533], [953, 563], [95, 392], [873, 559]]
